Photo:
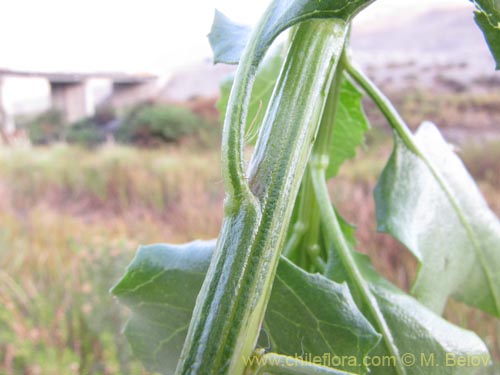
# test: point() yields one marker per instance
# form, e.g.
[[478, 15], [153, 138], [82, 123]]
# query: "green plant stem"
[[301, 225], [233, 173], [335, 236], [308, 217], [235, 119], [311, 245], [320, 158], [320, 264], [321, 150], [277, 364], [384, 104], [231, 304], [400, 127], [319, 163], [305, 231], [292, 245]]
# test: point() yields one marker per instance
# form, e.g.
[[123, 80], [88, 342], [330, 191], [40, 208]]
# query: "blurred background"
[[110, 139]]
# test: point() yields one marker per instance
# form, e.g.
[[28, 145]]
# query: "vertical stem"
[[300, 226], [334, 235], [231, 304], [321, 152], [393, 117], [308, 220]]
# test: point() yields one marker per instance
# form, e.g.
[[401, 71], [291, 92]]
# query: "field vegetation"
[[72, 217]]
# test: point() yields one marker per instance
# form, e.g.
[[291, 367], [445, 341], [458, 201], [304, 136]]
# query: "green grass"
[[71, 219]]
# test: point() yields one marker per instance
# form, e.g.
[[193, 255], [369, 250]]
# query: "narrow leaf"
[[487, 17], [349, 128], [454, 234], [228, 39], [307, 314], [265, 81]]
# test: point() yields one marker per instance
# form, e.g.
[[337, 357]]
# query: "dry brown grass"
[[70, 221]]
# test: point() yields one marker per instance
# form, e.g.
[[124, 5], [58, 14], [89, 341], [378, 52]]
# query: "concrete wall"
[[6, 118], [128, 94], [70, 99], [74, 95]]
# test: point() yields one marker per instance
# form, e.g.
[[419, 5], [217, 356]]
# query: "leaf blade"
[[402, 331], [350, 126], [227, 50], [181, 272], [418, 332], [457, 244], [149, 267], [415, 326], [262, 90], [299, 296]]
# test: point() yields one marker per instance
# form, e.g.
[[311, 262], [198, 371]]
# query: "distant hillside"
[[442, 49], [442, 45], [199, 81]]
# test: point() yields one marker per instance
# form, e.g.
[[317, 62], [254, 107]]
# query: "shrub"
[[85, 132], [46, 127], [152, 124]]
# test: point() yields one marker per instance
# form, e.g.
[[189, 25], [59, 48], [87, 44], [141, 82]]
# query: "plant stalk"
[[231, 304], [334, 235]]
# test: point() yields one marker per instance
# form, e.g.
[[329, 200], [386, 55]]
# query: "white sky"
[[132, 35], [156, 36]]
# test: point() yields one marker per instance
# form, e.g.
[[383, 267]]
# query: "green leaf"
[[349, 127], [420, 334], [408, 328], [229, 39], [307, 314], [160, 287], [227, 49], [447, 225], [434, 343], [487, 17], [265, 81]]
